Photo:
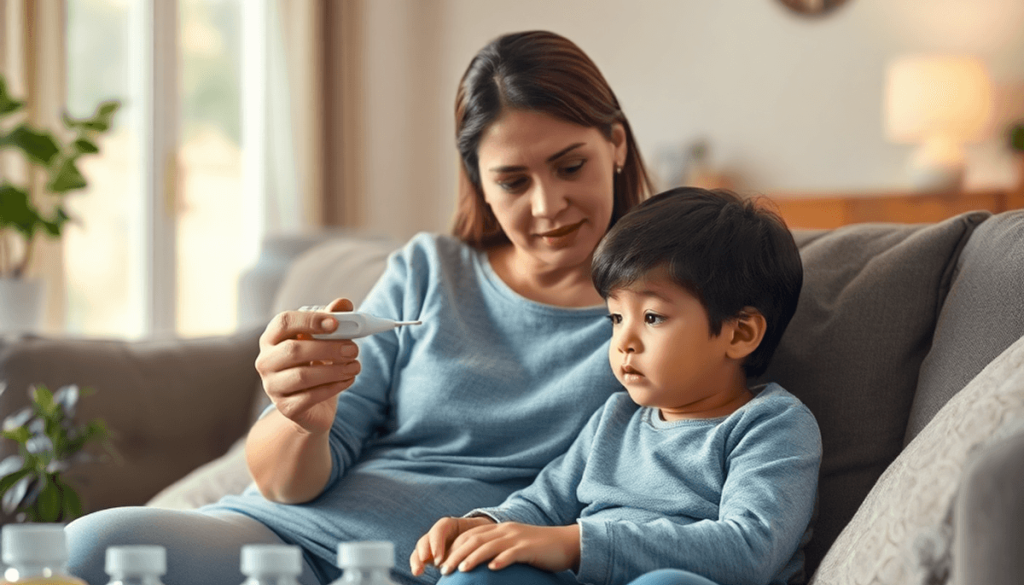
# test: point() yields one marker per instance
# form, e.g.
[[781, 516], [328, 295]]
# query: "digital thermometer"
[[353, 324]]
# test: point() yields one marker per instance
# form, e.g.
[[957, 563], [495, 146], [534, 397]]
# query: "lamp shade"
[[932, 97]]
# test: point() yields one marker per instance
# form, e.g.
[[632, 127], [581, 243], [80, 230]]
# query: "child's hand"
[[549, 548], [434, 545]]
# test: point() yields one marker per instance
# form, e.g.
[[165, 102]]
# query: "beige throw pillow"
[[911, 502]]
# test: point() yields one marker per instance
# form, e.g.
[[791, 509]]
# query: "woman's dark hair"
[[534, 71], [727, 251]]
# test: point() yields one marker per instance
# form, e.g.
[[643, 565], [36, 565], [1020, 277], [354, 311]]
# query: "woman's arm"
[[288, 450]]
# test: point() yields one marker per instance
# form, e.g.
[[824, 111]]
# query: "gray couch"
[[907, 345]]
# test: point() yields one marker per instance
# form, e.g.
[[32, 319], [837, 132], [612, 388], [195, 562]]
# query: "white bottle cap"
[[136, 560], [366, 554], [34, 544], [279, 559]]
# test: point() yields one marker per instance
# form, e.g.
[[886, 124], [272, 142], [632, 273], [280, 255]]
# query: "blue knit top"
[[450, 415], [728, 498]]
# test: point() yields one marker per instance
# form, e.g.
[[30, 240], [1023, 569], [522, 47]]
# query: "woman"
[[457, 413]]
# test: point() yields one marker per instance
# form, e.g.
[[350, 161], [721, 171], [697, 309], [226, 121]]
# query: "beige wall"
[[788, 103]]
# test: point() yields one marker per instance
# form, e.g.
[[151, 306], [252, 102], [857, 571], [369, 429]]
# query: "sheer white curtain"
[[32, 60], [289, 152]]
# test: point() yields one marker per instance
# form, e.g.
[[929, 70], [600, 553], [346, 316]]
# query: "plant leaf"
[[48, 502], [10, 465], [71, 502], [67, 398], [39, 146], [20, 435], [8, 104], [85, 146], [13, 497], [43, 400], [17, 210], [66, 177], [18, 419], [40, 444], [7, 481]]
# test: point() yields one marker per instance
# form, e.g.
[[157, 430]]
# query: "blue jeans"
[[526, 575], [202, 548]]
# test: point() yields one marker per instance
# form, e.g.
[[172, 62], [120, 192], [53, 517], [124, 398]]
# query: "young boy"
[[692, 470]]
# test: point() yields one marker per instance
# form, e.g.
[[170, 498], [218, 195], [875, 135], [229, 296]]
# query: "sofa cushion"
[[983, 314], [902, 533], [342, 267], [852, 352]]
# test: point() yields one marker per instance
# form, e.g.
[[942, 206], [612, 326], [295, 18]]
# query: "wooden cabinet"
[[831, 210]]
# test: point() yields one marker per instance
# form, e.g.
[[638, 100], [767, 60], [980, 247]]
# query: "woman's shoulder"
[[435, 247]]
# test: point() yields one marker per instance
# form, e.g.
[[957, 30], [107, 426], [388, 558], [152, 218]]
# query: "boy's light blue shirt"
[[450, 415], [727, 498]]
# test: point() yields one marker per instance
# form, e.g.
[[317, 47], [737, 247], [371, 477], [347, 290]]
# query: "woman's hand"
[[434, 545], [302, 375], [549, 548]]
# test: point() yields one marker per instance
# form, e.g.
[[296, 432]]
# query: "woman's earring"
[[618, 170]]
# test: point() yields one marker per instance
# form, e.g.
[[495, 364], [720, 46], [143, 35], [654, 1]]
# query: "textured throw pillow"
[[901, 533]]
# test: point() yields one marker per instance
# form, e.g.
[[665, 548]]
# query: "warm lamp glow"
[[940, 103]]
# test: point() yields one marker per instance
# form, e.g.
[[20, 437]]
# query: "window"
[[165, 231]]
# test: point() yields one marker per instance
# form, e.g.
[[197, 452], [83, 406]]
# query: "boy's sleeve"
[[766, 505], [551, 499], [363, 407]]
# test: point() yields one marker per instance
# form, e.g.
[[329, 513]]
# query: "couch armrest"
[[989, 516], [172, 404]]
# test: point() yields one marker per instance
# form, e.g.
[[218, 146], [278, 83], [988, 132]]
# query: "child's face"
[[663, 353]]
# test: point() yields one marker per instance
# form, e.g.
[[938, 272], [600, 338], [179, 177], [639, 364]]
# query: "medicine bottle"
[[271, 564], [136, 565], [36, 554], [366, 563]]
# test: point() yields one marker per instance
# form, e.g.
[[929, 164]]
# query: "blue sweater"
[[447, 416], [727, 498]]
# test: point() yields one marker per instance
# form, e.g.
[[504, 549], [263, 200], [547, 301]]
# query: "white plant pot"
[[21, 305]]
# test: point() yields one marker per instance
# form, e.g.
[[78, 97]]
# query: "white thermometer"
[[353, 324]]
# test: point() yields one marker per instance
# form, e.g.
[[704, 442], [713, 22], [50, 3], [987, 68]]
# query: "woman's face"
[[550, 185]]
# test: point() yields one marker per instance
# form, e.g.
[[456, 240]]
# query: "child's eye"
[[615, 318], [653, 318]]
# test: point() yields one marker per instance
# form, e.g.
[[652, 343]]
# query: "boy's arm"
[[765, 507], [551, 499]]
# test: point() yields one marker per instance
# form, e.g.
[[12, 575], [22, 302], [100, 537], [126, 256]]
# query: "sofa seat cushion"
[[852, 352], [903, 531]]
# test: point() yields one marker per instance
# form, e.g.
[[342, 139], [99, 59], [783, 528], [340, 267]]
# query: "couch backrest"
[[870, 301], [982, 316]]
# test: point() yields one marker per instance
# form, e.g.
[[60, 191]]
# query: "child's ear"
[[747, 329]]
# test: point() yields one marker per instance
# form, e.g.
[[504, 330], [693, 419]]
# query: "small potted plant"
[[33, 485], [1015, 141], [23, 214]]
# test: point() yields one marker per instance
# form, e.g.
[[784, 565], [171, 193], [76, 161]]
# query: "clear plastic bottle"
[[366, 563], [36, 554], [271, 564], [136, 565]]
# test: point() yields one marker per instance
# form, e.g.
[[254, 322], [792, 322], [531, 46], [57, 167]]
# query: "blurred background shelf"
[[832, 210]]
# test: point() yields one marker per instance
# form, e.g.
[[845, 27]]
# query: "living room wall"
[[787, 103]]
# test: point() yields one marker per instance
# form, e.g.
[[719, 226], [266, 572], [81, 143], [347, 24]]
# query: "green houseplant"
[[33, 486], [22, 216]]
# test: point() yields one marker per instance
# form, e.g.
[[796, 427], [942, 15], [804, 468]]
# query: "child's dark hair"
[[727, 251]]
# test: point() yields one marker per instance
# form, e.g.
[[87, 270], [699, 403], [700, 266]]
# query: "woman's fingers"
[[339, 305], [291, 353], [290, 324]]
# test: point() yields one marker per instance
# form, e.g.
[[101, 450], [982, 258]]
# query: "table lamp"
[[940, 103]]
